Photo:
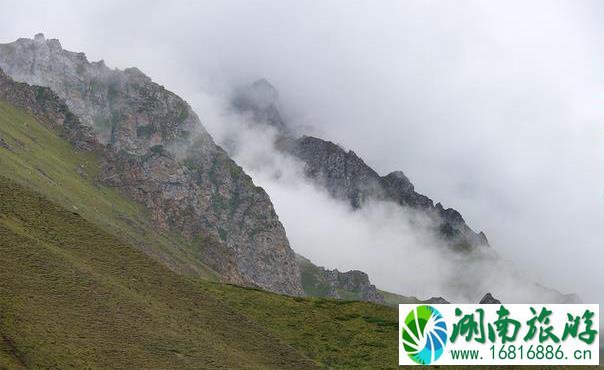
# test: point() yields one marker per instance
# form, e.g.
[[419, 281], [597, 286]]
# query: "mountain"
[[156, 151], [346, 176], [108, 259], [87, 280], [205, 216]]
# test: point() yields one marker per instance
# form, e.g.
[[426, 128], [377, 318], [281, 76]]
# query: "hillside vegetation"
[[73, 296]]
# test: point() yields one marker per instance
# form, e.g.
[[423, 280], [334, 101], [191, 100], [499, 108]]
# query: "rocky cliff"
[[352, 285], [157, 151], [346, 176]]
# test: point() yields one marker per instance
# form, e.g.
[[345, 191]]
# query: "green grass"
[[74, 296], [40, 159], [343, 334], [313, 282]]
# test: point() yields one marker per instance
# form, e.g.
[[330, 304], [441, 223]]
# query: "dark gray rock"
[[347, 177], [489, 299]]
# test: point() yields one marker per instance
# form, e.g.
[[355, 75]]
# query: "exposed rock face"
[[320, 282], [346, 176], [489, 299], [49, 109], [158, 152]]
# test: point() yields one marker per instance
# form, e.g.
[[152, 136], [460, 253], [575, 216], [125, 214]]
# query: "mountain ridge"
[[345, 175], [199, 192]]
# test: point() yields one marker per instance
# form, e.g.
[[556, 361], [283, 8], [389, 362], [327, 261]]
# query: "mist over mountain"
[[490, 110], [341, 213], [338, 150]]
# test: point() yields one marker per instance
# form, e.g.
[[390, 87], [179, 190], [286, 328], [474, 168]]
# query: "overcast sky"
[[494, 108]]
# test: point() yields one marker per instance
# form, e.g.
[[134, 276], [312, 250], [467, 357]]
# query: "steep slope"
[[35, 153], [73, 296], [346, 176], [157, 152]]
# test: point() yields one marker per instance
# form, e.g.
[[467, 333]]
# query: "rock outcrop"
[[49, 109], [489, 299], [157, 151], [353, 285]]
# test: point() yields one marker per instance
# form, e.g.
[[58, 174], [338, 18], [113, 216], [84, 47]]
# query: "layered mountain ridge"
[[345, 175]]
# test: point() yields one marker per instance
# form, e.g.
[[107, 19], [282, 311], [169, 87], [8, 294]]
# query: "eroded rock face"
[[158, 152], [347, 177], [49, 109]]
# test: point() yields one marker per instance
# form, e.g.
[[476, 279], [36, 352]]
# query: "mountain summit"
[[261, 101]]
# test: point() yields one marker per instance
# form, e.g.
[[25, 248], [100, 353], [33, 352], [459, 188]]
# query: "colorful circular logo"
[[424, 334]]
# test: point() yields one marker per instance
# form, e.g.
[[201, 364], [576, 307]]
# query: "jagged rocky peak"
[[397, 181], [261, 101], [342, 173], [157, 152], [489, 299]]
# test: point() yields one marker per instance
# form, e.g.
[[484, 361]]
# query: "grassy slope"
[[345, 334], [46, 163], [74, 296]]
